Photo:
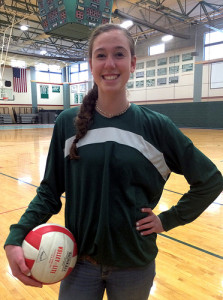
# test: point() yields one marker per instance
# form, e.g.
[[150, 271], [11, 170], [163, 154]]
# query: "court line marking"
[[25, 126], [191, 246], [8, 211], [64, 197], [161, 234], [182, 195]]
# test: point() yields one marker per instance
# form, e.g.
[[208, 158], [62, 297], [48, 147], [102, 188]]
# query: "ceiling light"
[[24, 27], [126, 24], [18, 63], [43, 52], [167, 38]]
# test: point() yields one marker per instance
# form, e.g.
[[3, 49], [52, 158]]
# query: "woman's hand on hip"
[[149, 224]]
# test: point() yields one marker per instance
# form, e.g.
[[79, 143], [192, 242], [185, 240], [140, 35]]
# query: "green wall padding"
[[196, 114]]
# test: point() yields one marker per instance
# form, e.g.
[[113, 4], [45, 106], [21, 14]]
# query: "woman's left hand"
[[149, 224]]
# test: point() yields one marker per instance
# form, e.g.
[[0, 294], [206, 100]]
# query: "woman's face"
[[111, 62]]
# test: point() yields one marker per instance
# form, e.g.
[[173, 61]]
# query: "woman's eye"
[[100, 55], [119, 54]]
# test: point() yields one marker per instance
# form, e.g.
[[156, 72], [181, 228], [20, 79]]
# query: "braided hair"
[[84, 118]]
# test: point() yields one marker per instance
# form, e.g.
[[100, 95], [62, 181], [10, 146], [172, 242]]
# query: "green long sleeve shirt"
[[124, 164]]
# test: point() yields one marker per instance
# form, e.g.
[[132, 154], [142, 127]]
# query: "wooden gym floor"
[[190, 259]]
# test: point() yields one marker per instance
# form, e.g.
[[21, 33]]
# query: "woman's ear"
[[133, 64], [90, 64]]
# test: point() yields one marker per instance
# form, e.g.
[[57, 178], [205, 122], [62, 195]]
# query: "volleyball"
[[50, 253]]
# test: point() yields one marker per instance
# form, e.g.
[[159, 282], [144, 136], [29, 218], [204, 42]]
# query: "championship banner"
[[44, 91], [55, 89]]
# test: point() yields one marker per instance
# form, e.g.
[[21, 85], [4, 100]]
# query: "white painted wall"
[[54, 98], [207, 91], [26, 98], [20, 98], [181, 90]]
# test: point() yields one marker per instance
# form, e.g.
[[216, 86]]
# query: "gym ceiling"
[[150, 18]]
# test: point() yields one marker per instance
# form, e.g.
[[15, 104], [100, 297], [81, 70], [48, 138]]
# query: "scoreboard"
[[74, 18]]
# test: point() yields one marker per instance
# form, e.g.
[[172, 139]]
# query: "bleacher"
[[28, 115], [27, 119], [25, 115], [34, 115], [5, 117]]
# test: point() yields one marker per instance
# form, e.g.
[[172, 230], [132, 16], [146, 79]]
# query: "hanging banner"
[[44, 91], [76, 98], [73, 88], [55, 88]]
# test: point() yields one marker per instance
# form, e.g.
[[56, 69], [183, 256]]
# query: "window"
[[83, 66], [42, 67], [48, 73], [213, 45], [74, 68], [79, 72], [42, 76], [74, 77], [156, 49], [54, 68], [83, 76], [55, 77], [213, 37]]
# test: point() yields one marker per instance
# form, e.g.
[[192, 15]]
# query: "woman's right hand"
[[18, 266]]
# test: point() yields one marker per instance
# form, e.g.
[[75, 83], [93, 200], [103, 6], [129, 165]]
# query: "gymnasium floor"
[[190, 259]]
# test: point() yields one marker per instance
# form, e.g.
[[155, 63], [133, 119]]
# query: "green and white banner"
[[44, 91], [55, 88]]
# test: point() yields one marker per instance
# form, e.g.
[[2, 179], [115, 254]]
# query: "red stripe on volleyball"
[[29, 263], [34, 239], [68, 272], [54, 228]]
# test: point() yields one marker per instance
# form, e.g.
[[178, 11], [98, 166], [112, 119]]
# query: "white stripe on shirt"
[[127, 138]]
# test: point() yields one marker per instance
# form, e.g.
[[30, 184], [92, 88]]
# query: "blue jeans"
[[88, 282]]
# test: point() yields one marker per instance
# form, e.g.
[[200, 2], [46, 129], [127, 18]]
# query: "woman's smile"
[[110, 77], [111, 64]]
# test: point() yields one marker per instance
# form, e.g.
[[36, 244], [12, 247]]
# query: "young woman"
[[113, 163]]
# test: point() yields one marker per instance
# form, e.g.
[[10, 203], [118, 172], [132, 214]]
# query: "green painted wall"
[[196, 114]]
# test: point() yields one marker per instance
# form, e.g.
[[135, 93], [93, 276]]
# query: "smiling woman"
[[112, 59], [111, 64], [112, 160]]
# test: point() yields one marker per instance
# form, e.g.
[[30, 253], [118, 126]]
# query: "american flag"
[[19, 80]]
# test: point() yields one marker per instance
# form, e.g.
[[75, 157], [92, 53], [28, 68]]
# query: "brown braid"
[[87, 108], [84, 118]]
